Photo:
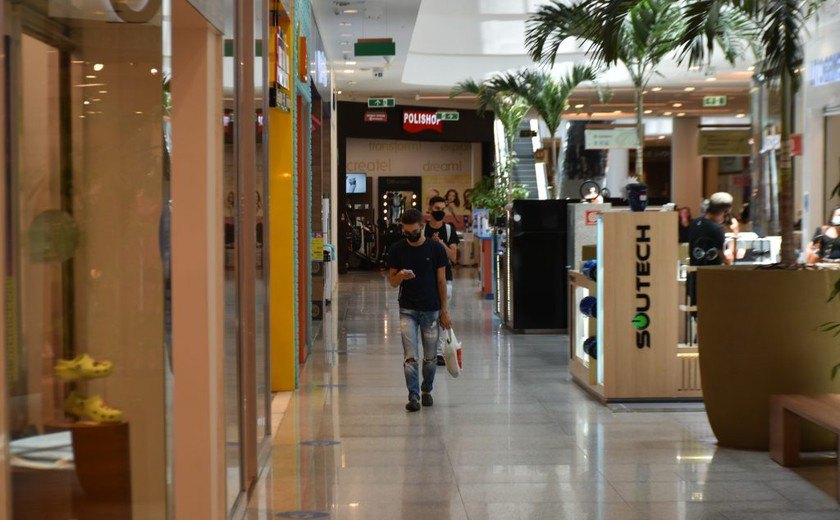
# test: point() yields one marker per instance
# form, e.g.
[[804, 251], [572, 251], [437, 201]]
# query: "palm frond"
[[556, 22], [485, 97]]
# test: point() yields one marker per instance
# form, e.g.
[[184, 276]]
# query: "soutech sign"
[[416, 121], [641, 321]]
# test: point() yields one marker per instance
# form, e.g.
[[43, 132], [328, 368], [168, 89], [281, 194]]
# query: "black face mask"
[[413, 237], [438, 215]]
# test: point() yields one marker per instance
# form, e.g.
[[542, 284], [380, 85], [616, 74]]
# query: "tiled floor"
[[513, 438]]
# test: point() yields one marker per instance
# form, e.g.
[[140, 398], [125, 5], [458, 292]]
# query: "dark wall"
[[351, 124]]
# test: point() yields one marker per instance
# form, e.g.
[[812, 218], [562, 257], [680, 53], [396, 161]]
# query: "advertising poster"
[[452, 188]]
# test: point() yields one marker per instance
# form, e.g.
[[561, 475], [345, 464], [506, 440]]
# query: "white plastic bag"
[[452, 354]]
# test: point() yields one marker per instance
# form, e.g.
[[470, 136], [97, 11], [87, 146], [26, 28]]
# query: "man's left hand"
[[445, 322]]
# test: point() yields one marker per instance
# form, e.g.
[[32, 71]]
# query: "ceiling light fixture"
[[741, 116], [750, 69], [656, 89], [668, 113], [90, 76], [648, 111], [345, 43], [351, 11], [677, 105], [580, 105], [98, 66], [661, 137], [690, 89], [617, 112], [681, 114], [346, 35], [338, 92], [348, 71], [711, 79], [349, 63]]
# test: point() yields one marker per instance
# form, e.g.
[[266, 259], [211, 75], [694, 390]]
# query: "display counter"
[[635, 321]]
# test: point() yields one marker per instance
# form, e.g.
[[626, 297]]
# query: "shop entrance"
[[832, 162]]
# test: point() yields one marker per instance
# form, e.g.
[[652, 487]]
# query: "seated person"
[[825, 246]]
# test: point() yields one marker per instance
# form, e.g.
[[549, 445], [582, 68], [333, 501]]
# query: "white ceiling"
[[442, 42]]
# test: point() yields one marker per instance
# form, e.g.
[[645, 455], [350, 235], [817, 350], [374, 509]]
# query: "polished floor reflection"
[[512, 438]]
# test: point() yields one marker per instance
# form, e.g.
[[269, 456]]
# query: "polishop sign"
[[416, 121]]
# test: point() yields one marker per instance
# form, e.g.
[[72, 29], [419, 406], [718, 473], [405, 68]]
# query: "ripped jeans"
[[415, 325]]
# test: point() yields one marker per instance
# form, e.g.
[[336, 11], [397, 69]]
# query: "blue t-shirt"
[[421, 292]]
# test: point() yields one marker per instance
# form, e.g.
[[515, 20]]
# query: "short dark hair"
[[437, 198], [411, 216]]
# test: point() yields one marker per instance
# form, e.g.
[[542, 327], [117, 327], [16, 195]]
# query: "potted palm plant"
[[549, 97], [510, 108]]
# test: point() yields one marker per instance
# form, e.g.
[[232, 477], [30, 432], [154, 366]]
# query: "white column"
[[686, 164], [618, 170]]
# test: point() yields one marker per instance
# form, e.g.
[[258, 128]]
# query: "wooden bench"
[[785, 414]]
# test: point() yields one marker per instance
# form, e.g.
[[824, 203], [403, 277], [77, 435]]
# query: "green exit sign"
[[384, 102], [714, 101], [448, 115]]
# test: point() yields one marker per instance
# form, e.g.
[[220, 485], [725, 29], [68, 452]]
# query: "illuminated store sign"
[[415, 121], [825, 71]]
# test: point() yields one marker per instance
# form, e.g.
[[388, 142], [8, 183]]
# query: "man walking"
[[445, 234], [418, 267]]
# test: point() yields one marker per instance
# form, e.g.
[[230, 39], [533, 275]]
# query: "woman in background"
[[825, 246], [452, 202]]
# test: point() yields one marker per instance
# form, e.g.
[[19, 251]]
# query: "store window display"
[[85, 297]]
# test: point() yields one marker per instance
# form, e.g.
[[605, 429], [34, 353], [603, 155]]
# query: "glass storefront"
[[88, 323], [85, 320]]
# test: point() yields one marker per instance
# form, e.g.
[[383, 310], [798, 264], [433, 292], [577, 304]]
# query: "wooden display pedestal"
[[98, 489], [637, 321]]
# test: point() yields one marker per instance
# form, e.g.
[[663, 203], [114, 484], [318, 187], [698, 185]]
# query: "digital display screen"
[[356, 183]]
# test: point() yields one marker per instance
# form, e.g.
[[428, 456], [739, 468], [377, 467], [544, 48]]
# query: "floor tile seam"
[[456, 480]]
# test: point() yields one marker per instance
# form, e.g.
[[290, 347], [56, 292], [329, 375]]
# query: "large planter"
[[758, 335]]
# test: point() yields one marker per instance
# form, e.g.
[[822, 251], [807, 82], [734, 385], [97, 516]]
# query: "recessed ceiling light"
[[346, 35], [740, 116], [656, 89], [86, 102], [338, 92], [711, 79], [90, 76], [98, 66], [644, 92], [580, 105], [154, 71], [617, 112], [349, 63], [681, 114], [648, 111], [351, 11], [348, 71], [677, 105], [690, 89], [103, 91], [661, 137], [668, 113]]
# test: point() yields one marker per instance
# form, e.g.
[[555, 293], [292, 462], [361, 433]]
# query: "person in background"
[[745, 219], [418, 267], [706, 239], [452, 202], [825, 246], [444, 234], [685, 223]]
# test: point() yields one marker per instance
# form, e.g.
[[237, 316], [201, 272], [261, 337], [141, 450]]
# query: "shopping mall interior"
[[469, 260]]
